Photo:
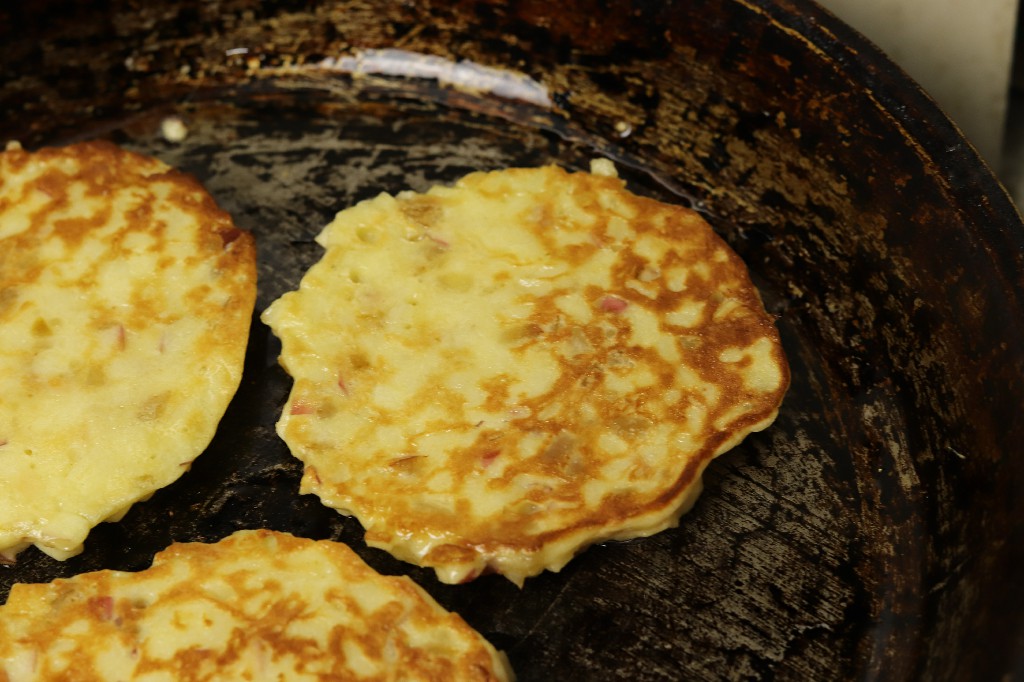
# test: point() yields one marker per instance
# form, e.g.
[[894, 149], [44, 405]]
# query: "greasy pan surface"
[[874, 532]]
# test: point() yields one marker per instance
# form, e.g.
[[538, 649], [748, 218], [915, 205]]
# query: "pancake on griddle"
[[257, 605], [494, 375], [126, 297]]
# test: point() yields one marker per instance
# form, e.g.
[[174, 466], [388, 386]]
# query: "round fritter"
[[126, 298], [257, 605], [493, 375]]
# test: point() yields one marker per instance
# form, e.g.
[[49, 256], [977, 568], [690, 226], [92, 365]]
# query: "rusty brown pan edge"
[[988, 616], [987, 637]]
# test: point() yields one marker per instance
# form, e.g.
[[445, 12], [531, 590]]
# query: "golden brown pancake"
[[257, 605], [494, 375], [126, 297]]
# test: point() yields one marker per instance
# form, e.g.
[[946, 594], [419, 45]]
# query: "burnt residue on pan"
[[872, 532]]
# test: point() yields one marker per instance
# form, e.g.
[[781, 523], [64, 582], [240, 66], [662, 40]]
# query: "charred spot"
[[406, 464], [487, 457], [40, 328], [229, 235], [359, 361]]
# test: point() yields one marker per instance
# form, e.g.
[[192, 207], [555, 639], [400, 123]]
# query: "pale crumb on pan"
[[173, 129], [603, 167]]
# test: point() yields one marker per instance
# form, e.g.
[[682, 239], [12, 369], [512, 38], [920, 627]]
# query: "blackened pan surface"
[[872, 533]]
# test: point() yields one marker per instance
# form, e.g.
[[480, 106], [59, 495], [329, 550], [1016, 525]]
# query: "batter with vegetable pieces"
[[258, 605], [126, 297], [494, 375]]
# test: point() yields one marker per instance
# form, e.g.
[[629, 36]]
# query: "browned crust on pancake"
[[100, 167], [251, 575], [569, 418], [82, 226]]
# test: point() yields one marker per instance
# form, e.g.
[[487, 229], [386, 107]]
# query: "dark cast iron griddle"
[[874, 532]]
